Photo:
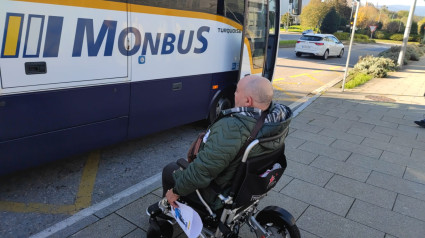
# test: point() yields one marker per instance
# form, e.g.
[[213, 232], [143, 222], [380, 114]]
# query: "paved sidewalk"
[[356, 168]]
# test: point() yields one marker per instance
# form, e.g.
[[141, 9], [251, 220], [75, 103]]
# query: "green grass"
[[395, 42], [287, 43], [358, 79]]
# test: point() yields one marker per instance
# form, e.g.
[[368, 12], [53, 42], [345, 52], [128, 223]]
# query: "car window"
[[311, 38], [335, 39]]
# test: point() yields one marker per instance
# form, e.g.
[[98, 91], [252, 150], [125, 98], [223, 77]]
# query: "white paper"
[[188, 219]]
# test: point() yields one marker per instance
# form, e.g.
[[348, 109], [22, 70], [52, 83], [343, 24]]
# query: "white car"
[[322, 45]]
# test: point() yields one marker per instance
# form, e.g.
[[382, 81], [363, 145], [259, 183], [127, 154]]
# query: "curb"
[[100, 210]]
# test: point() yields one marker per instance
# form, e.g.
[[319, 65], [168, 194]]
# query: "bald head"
[[254, 91]]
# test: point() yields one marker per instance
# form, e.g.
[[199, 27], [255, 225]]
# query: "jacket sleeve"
[[222, 145]]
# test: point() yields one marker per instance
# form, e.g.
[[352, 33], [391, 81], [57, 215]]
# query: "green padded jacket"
[[216, 158]]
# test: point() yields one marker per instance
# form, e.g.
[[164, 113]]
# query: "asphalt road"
[[35, 199]]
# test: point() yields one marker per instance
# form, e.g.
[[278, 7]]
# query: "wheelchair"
[[254, 178]]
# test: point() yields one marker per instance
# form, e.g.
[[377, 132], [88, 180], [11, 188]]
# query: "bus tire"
[[221, 102]]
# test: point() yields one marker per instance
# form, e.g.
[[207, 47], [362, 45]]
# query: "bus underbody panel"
[[35, 150]]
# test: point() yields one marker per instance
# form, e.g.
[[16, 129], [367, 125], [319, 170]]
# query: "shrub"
[[413, 52], [397, 37], [361, 37], [382, 35], [358, 79], [342, 35], [375, 66]]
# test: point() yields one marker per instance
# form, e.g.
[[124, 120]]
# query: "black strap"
[[254, 133]]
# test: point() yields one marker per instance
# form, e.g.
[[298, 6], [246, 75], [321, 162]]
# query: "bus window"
[[232, 9], [256, 32], [272, 17], [208, 6]]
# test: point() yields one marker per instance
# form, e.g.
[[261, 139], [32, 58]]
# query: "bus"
[[76, 75]]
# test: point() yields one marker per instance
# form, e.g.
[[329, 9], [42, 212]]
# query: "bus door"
[[273, 38], [254, 37], [260, 45]]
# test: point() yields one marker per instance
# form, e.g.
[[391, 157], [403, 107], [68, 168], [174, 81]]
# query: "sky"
[[395, 2]]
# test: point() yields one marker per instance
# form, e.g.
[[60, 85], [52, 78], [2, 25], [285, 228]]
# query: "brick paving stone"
[[410, 206], [418, 154], [369, 134], [377, 165], [398, 149], [317, 116], [318, 196], [373, 121], [305, 127], [338, 124], [329, 225], [410, 162], [411, 129], [342, 135], [362, 191], [408, 142], [398, 185], [394, 132], [398, 120], [386, 220], [306, 234], [356, 115], [355, 148], [135, 212], [300, 155], [293, 206], [342, 168], [333, 153], [110, 226], [415, 175], [307, 173], [283, 181], [319, 139], [137, 233], [292, 142], [421, 137], [363, 107]]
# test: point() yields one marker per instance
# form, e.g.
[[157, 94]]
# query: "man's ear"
[[249, 101]]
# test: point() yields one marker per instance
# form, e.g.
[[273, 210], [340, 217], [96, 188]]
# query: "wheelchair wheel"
[[280, 228]]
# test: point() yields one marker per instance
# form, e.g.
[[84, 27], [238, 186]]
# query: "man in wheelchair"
[[216, 167]]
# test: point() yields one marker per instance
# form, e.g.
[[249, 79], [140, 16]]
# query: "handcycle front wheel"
[[285, 231]]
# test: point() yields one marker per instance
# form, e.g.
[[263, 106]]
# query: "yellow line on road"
[[277, 80], [83, 198], [315, 79], [335, 67], [317, 71], [88, 179]]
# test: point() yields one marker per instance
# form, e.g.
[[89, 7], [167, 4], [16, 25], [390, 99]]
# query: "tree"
[[330, 23], [285, 17], [368, 16], [395, 26], [313, 14], [421, 26]]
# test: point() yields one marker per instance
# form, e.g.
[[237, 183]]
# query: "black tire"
[[159, 229], [298, 54], [341, 53], [325, 55], [280, 228], [223, 101]]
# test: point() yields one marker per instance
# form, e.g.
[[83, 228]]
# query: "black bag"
[[254, 186]]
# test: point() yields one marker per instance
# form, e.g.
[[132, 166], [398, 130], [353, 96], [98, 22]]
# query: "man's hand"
[[172, 198]]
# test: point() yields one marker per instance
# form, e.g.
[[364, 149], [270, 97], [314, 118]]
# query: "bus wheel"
[[221, 103]]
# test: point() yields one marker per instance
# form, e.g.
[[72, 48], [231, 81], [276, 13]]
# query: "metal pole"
[[406, 35], [351, 44]]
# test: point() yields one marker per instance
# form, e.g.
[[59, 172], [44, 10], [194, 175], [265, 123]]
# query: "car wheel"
[[325, 55], [341, 53], [298, 54]]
